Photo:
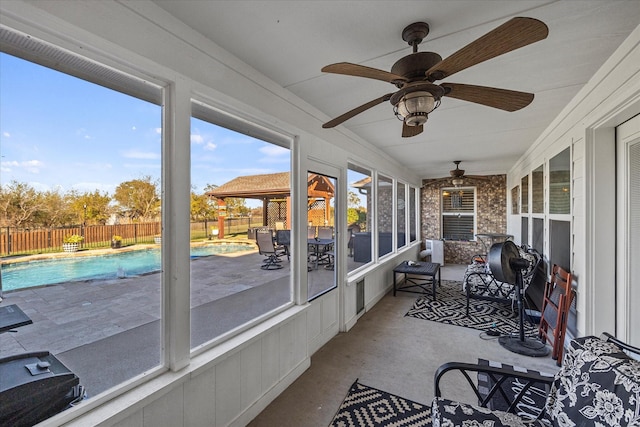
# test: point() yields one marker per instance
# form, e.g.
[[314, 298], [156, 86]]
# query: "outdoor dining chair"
[[268, 249]]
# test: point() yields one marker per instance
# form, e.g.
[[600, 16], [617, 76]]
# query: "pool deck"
[[70, 319]]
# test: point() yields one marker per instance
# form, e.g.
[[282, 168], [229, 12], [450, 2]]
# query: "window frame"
[[473, 214]]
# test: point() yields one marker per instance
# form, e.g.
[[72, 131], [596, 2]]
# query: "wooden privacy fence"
[[15, 242]]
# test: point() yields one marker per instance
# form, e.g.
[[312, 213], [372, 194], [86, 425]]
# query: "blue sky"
[[60, 132]]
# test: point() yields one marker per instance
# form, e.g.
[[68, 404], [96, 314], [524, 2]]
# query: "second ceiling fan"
[[414, 75], [457, 176]]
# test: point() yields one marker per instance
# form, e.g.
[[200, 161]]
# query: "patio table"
[[429, 270], [317, 244]]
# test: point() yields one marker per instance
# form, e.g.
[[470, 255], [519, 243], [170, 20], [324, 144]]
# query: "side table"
[[431, 276]]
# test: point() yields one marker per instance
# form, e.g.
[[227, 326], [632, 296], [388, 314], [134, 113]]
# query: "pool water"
[[22, 275]]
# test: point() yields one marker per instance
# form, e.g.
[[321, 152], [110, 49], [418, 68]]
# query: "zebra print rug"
[[451, 305], [366, 406]]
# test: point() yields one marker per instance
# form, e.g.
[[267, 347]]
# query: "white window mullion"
[[176, 202]]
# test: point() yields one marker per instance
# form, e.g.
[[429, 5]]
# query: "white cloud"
[[31, 166], [158, 131], [133, 128], [136, 154], [82, 132], [196, 138], [210, 146], [6, 134]]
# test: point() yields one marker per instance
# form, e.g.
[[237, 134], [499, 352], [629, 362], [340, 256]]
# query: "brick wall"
[[491, 199]]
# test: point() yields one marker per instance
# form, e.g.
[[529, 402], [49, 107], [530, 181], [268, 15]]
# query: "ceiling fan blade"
[[409, 131], [350, 69], [513, 34], [503, 99], [356, 111]]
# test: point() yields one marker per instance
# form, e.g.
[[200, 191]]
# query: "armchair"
[[598, 384]]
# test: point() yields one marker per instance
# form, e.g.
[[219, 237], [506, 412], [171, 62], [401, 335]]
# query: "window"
[[524, 196], [321, 236], [537, 190], [559, 183], [90, 157], [515, 200], [458, 213], [385, 215], [413, 222], [231, 282], [359, 216], [401, 215]]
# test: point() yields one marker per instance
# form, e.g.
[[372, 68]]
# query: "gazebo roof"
[[262, 186], [270, 186]]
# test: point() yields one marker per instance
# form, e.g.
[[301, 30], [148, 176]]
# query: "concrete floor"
[[388, 351]]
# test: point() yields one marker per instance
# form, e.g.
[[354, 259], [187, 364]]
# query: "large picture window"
[[237, 275], [458, 213], [81, 163]]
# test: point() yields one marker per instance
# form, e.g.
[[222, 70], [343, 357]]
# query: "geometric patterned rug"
[[450, 307], [366, 406]]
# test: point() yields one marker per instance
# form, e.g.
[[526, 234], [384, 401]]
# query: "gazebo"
[[275, 192]]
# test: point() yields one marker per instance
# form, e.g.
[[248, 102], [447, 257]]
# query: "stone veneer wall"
[[491, 217]]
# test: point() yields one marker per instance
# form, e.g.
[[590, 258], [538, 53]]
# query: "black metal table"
[[430, 271]]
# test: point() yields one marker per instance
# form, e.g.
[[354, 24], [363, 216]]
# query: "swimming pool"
[[20, 275]]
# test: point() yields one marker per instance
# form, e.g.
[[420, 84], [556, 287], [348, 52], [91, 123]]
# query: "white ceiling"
[[290, 42]]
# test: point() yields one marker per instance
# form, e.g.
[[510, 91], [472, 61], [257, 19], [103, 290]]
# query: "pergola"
[[274, 187]]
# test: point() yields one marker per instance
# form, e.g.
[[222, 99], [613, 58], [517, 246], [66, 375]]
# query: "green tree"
[[19, 204], [91, 208], [54, 210], [138, 199], [236, 206], [203, 207]]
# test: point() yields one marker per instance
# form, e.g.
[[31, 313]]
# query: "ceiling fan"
[[414, 75], [457, 176]]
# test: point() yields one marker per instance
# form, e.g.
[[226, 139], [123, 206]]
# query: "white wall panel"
[[134, 420], [251, 373], [270, 360], [228, 394], [167, 411], [199, 399]]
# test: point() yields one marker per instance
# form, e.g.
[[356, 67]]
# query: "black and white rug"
[[370, 407], [450, 307], [535, 397]]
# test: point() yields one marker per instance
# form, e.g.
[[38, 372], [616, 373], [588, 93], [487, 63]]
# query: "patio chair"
[[268, 249], [283, 242], [325, 232], [558, 296]]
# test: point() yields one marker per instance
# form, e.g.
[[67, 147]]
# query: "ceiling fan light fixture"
[[414, 107], [457, 182]]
